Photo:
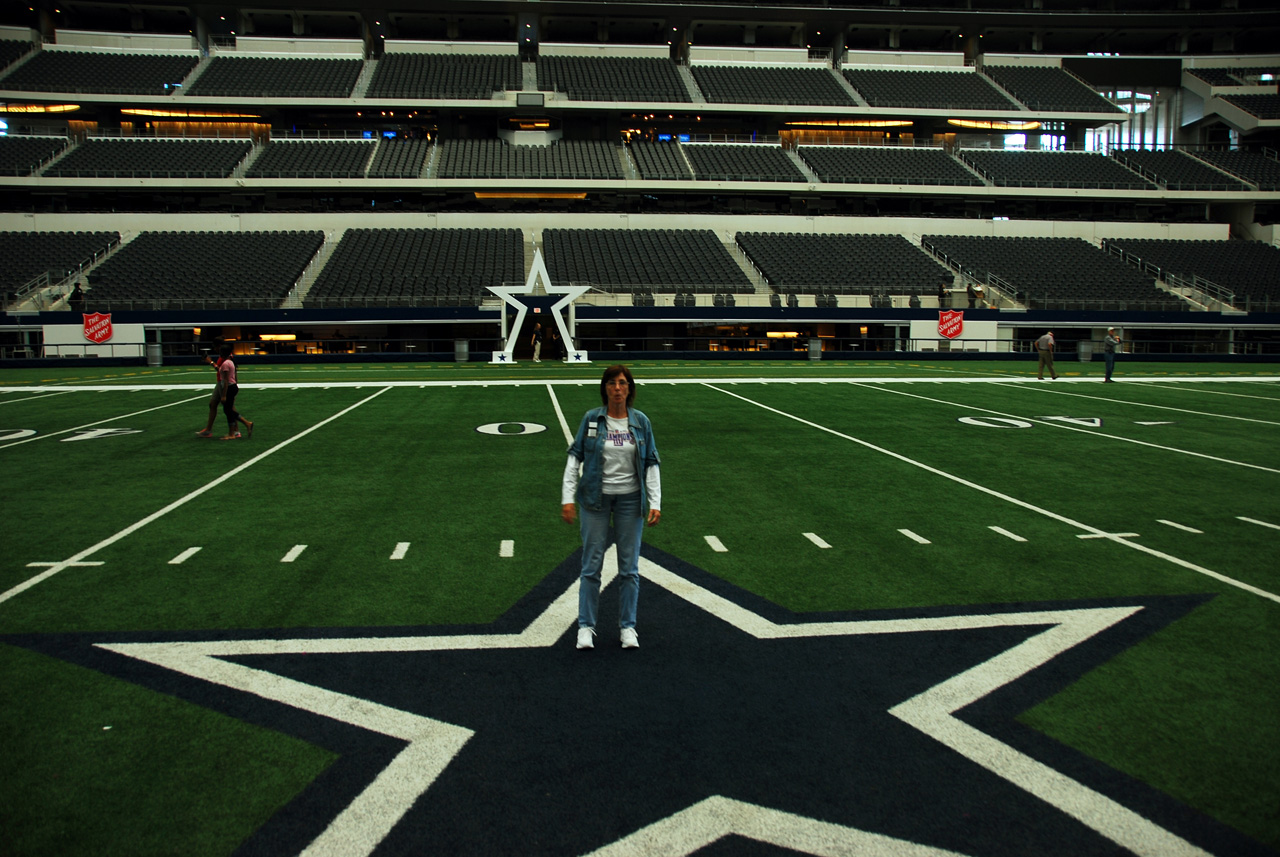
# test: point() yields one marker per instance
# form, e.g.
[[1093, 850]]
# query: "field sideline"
[[1136, 524]]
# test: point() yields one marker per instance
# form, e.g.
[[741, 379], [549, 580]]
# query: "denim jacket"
[[588, 447]]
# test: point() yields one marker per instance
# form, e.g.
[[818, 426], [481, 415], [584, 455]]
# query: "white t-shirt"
[[619, 458]]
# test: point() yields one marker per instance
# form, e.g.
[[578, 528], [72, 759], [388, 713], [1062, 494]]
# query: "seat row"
[[1130, 169], [458, 265], [631, 79]]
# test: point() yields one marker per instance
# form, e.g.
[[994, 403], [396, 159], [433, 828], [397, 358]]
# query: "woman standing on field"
[[615, 450]]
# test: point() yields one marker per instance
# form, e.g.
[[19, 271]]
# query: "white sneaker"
[[629, 640], [584, 638]]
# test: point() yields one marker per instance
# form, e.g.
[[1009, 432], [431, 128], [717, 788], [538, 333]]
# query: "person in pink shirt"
[[227, 376], [215, 398]]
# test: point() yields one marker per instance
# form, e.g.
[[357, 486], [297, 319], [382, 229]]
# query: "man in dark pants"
[[1109, 346], [1044, 345], [537, 343]]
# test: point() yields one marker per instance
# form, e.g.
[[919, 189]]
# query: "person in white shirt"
[[618, 458]]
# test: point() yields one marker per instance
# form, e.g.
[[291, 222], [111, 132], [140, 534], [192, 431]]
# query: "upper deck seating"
[[660, 160], [612, 78], [1179, 171], [1265, 106], [400, 159], [842, 263], [202, 269], [1246, 268], [452, 76], [1048, 88], [770, 85], [644, 260], [1236, 75], [944, 90], [1052, 169], [886, 165], [25, 256], [152, 158], [1255, 168], [12, 50], [84, 71], [1215, 76], [20, 156], [278, 77], [312, 159], [566, 159], [742, 162], [409, 267], [1055, 273]]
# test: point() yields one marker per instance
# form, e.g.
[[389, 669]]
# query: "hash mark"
[[184, 556], [1178, 526], [920, 540], [1008, 535]]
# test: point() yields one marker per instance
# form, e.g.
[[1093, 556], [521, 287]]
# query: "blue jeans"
[[626, 529], [1109, 358]]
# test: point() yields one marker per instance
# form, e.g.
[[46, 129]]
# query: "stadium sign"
[[97, 327], [950, 323], [523, 298]]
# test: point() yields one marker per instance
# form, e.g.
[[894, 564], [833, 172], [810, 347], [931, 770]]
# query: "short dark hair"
[[225, 350], [611, 373]]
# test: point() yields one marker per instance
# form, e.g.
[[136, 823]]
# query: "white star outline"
[[571, 293], [431, 744]]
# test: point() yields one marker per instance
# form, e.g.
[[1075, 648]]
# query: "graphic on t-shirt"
[[620, 438]]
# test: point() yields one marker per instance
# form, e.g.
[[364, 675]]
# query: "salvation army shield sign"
[[97, 327], [950, 323]]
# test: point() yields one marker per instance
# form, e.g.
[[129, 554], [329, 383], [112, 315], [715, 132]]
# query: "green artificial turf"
[[94, 765], [1190, 711]]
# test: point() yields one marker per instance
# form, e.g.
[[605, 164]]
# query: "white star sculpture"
[[507, 293]]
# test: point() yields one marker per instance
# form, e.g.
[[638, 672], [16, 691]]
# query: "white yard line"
[[181, 501], [100, 422], [587, 382], [1275, 399], [1031, 507], [1159, 407], [715, 544], [1256, 521], [1060, 425], [401, 551], [564, 425], [32, 398]]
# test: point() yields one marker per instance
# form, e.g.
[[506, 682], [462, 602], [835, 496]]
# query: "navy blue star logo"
[[737, 725]]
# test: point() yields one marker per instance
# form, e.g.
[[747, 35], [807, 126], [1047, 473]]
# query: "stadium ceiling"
[[1117, 17]]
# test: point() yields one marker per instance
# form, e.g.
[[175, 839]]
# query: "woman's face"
[[617, 389]]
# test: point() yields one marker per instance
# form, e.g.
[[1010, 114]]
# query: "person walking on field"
[[215, 399], [615, 448], [1044, 345], [1109, 347], [227, 375]]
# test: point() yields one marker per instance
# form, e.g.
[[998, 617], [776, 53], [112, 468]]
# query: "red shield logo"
[[97, 326], [950, 323]]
